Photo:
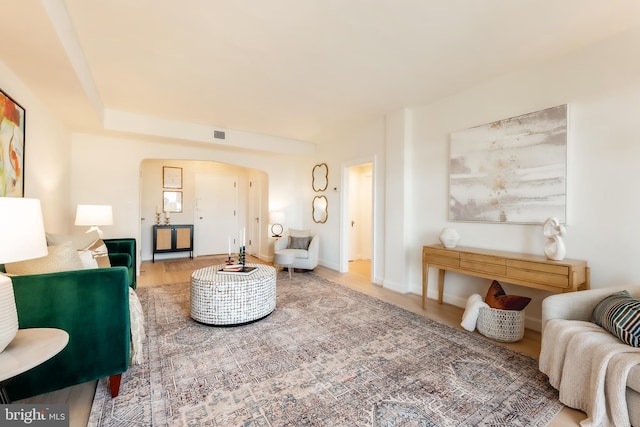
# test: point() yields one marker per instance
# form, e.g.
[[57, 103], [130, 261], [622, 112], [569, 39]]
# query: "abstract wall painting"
[[12, 122], [510, 171]]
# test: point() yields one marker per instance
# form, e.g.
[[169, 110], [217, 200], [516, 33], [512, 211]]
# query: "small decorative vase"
[[449, 238], [8, 313]]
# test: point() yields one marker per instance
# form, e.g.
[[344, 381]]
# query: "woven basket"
[[501, 325]]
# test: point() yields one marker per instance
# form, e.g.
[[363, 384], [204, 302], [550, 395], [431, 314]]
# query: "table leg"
[[425, 279], [440, 285]]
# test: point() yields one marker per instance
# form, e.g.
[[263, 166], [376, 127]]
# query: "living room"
[[599, 79], [600, 82]]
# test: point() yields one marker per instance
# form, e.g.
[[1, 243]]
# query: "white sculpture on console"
[[449, 238], [554, 249]]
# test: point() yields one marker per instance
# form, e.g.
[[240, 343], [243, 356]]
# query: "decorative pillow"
[[298, 242], [619, 314], [299, 233], [79, 241], [497, 298], [88, 261], [60, 258], [100, 253]]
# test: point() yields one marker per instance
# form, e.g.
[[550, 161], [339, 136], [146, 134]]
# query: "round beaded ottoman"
[[232, 299]]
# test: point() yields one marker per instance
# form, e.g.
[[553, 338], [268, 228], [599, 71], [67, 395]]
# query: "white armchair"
[[304, 258]]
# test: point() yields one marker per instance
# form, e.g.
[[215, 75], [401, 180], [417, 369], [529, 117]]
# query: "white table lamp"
[[94, 216], [276, 218], [21, 237]]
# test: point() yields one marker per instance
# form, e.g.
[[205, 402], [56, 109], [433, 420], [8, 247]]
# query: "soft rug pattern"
[[327, 356]]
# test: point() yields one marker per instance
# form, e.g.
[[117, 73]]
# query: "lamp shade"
[[94, 215], [21, 237], [21, 230], [276, 217]]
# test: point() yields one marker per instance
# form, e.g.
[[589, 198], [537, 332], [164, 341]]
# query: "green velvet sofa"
[[93, 307]]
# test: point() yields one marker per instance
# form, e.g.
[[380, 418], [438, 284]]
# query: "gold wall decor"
[[320, 177], [320, 209]]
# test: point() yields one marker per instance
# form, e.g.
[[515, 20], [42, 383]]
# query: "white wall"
[[151, 197], [47, 159], [106, 170], [601, 84], [339, 149]]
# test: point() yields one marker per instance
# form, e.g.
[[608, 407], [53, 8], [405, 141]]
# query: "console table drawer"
[[538, 277], [444, 257], [485, 259], [444, 261], [439, 252], [483, 267], [537, 266]]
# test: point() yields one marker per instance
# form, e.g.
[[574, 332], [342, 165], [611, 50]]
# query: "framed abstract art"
[[12, 132], [510, 171]]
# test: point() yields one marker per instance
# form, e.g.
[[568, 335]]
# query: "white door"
[[216, 214], [253, 242], [360, 212]]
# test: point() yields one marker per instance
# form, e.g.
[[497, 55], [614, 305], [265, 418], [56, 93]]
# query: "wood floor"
[[80, 397]]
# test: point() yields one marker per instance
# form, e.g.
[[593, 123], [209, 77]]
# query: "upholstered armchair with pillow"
[[90, 302], [304, 245], [580, 306]]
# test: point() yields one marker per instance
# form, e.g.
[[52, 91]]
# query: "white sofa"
[[306, 259], [579, 306]]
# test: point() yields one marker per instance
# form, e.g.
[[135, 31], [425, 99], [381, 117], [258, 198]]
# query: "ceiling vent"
[[218, 134]]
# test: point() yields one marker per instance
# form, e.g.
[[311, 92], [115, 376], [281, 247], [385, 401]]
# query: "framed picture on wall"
[[12, 132], [172, 201], [510, 171], [171, 177]]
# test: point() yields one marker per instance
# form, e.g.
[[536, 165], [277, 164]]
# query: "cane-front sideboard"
[[172, 238], [531, 271]]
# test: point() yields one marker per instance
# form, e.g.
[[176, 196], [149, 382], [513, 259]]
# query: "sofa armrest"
[[124, 246], [314, 247], [93, 307], [577, 305], [120, 260]]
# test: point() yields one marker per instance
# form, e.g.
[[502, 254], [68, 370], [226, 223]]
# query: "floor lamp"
[[21, 237]]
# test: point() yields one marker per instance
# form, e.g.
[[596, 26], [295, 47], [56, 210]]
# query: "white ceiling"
[[288, 68]]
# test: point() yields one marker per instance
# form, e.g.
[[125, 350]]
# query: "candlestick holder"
[[166, 219], [242, 256], [157, 218], [229, 260]]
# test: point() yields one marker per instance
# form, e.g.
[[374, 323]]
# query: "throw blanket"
[[472, 311], [589, 367], [137, 327]]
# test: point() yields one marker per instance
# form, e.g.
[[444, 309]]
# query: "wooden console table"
[[531, 271]]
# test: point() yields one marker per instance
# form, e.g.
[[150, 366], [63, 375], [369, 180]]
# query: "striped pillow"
[[619, 314]]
